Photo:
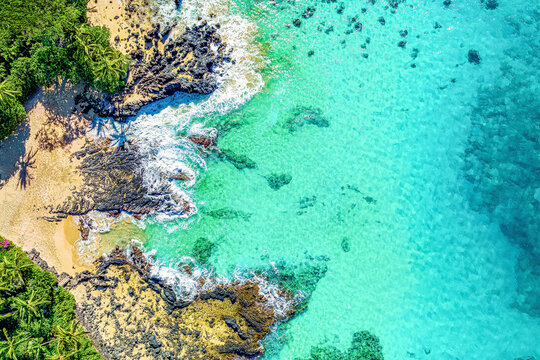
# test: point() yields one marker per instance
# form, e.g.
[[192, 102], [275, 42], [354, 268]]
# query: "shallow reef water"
[[384, 160]]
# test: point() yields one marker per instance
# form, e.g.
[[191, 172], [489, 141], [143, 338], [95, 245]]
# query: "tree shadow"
[[62, 125], [24, 165], [11, 149]]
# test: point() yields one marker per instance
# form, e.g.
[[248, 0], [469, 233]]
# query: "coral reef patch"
[[503, 167], [276, 181], [364, 346]]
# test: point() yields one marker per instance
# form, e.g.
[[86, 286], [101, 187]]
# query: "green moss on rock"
[[202, 250]]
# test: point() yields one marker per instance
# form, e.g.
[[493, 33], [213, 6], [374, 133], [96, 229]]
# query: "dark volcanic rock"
[[202, 140], [240, 349], [219, 293], [186, 64], [113, 182], [231, 322]]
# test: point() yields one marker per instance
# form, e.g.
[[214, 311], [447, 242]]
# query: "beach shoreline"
[[46, 177]]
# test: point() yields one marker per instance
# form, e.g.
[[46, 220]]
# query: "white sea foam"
[[189, 279], [189, 284], [97, 223], [162, 134]]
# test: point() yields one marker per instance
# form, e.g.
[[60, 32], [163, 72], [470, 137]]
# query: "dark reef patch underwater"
[[502, 161]]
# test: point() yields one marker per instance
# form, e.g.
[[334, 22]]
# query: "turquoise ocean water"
[[386, 131]]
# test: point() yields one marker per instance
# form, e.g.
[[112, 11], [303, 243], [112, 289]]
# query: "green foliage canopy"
[[37, 317], [42, 41]]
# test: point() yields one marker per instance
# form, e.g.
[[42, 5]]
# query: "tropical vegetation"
[[42, 42], [37, 317]]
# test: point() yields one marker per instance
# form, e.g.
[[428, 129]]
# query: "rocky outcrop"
[[134, 316], [113, 182], [162, 66], [34, 255]]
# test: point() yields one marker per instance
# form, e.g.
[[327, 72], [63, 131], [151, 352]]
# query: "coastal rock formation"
[[161, 66], [113, 181], [132, 315], [166, 56]]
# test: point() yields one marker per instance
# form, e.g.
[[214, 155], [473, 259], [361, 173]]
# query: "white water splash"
[[162, 134], [97, 223], [161, 131]]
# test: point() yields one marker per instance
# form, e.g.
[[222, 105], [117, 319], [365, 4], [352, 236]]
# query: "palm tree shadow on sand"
[[24, 165], [11, 150], [63, 125]]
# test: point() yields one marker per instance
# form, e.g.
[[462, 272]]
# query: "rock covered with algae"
[[364, 346], [133, 315]]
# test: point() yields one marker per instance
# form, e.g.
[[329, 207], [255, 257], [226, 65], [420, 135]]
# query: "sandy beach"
[[54, 133], [51, 132]]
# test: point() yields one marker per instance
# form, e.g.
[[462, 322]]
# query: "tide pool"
[[365, 117]]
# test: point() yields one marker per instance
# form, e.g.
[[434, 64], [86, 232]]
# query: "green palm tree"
[[8, 93], [111, 68], [8, 348], [61, 356], [26, 310], [83, 44], [69, 338], [11, 272]]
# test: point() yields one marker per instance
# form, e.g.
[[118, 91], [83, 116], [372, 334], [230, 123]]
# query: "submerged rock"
[[202, 140], [239, 161], [364, 346], [276, 181], [501, 164], [473, 57], [308, 12], [301, 115], [346, 244], [303, 276], [492, 4], [228, 213], [202, 250], [306, 203]]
